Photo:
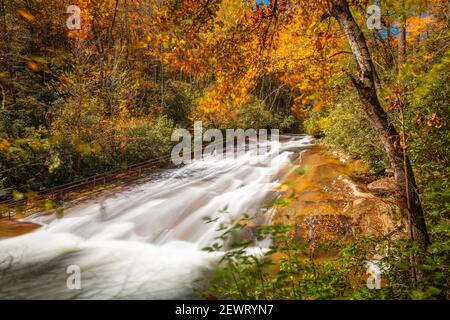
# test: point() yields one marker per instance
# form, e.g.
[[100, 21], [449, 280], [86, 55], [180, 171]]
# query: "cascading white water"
[[146, 242]]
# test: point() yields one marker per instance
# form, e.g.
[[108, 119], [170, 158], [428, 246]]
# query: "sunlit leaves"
[[25, 14]]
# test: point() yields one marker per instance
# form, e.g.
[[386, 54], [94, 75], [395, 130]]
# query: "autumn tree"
[[77, 102], [256, 38]]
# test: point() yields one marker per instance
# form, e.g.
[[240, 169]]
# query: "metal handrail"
[[59, 190], [104, 177]]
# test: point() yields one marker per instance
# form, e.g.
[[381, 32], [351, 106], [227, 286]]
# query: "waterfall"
[[145, 242]]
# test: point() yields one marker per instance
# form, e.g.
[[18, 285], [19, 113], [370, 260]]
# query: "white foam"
[[145, 242]]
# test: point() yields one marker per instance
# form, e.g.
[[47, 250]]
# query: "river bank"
[[327, 202], [157, 229]]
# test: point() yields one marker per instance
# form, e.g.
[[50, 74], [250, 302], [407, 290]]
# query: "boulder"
[[385, 185]]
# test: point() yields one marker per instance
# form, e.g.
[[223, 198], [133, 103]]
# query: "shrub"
[[346, 128]]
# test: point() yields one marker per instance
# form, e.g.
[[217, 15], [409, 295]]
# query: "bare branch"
[[3, 96]]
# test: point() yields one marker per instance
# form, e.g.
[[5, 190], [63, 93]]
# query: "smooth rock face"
[[385, 185], [328, 205]]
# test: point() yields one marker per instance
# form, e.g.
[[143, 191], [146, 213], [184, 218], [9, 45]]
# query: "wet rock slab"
[[383, 186], [328, 205], [14, 228]]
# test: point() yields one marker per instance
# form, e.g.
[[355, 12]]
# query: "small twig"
[[3, 97], [393, 232], [325, 16], [338, 53]]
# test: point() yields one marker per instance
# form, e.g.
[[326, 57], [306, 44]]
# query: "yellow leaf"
[[5, 144], [282, 188], [48, 205], [26, 15], [32, 65]]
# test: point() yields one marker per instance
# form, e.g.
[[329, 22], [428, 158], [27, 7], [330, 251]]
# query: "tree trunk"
[[401, 47], [401, 56], [389, 53], [365, 84], [6, 38]]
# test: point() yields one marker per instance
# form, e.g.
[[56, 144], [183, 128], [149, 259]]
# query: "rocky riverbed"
[[327, 203]]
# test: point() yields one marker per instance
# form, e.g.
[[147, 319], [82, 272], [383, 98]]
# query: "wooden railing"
[[8, 208]]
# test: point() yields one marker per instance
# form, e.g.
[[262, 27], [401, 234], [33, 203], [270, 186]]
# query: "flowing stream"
[[145, 242]]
